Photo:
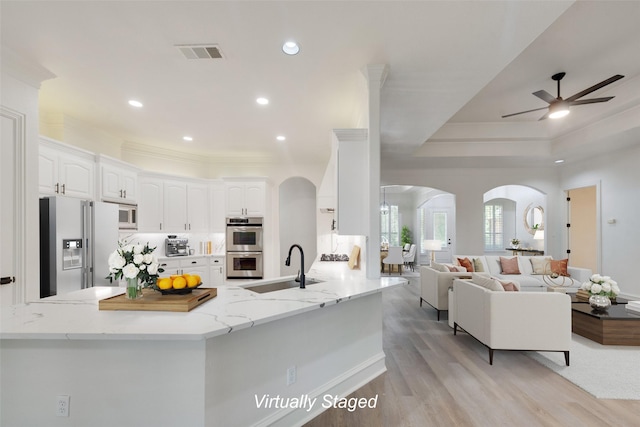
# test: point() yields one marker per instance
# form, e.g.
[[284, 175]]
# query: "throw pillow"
[[487, 282], [560, 267], [456, 268], [466, 263], [439, 267], [541, 265], [508, 285], [509, 265], [477, 265]]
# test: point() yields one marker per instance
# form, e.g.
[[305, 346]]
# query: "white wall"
[[469, 186], [297, 212], [617, 174]]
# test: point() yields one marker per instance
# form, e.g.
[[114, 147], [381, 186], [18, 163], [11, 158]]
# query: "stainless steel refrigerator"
[[76, 238]]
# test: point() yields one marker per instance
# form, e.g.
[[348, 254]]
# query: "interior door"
[[441, 226], [7, 210], [583, 232]]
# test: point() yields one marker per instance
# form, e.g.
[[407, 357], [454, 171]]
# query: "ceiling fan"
[[559, 107]]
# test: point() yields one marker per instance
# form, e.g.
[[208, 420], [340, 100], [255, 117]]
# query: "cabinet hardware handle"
[[120, 193], [7, 280], [57, 187], [189, 226], [160, 226], [163, 265], [185, 226], [125, 194], [64, 191]]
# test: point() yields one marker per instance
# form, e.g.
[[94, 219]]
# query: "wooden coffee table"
[[616, 326]]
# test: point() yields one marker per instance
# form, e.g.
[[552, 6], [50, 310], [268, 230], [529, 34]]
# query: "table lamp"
[[433, 246]]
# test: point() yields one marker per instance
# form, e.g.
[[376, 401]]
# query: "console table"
[[616, 326], [524, 251]]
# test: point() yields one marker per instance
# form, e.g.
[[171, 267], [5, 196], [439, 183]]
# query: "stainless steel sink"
[[278, 286]]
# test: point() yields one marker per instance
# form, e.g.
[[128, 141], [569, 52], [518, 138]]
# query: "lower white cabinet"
[[216, 271], [187, 265]]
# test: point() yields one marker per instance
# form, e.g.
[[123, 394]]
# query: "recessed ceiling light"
[[559, 161], [280, 138], [135, 103], [262, 101], [187, 138], [290, 48]]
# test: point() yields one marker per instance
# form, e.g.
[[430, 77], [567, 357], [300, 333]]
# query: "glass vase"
[[599, 303], [134, 289]]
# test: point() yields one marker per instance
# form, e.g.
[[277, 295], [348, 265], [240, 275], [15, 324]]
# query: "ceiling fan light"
[[558, 110]]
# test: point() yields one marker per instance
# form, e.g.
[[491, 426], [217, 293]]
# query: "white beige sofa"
[[434, 284], [539, 321]]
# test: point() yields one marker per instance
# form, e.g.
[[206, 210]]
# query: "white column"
[[375, 75]]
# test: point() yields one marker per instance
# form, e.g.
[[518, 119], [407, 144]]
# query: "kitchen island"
[[219, 364]]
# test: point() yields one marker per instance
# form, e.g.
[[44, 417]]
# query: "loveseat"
[[435, 281], [501, 320]]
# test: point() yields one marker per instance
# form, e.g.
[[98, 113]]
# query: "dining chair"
[[394, 258], [410, 257]]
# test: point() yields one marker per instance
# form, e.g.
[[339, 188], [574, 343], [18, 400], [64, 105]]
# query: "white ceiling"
[[454, 69]]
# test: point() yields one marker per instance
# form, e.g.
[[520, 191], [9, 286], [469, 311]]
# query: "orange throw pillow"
[[466, 263], [509, 265], [560, 267]]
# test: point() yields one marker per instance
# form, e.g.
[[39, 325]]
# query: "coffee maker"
[[174, 246]]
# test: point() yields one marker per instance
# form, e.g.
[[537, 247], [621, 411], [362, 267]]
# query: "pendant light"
[[384, 207]]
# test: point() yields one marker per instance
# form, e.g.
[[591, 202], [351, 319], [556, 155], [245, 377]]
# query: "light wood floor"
[[434, 378]]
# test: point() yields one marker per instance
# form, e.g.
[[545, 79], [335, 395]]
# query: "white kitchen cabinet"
[[186, 265], [118, 181], [64, 170], [246, 198], [151, 205], [217, 208], [216, 271], [172, 205]]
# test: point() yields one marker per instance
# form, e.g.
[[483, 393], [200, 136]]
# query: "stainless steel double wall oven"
[[244, 243]]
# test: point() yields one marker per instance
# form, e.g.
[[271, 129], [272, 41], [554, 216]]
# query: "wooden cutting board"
[[154, 301]]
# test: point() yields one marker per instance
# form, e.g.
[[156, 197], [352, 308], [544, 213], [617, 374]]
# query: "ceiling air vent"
[[200, 51]]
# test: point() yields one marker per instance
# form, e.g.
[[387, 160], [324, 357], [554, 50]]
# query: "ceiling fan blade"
[[544, 117], [522, 112], [545, 96], [594, 87], [591, 101]]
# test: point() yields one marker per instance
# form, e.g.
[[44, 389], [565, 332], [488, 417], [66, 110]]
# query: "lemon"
[[164, 283], [192, 281], [198, 279], [173, 276], [179, 283]]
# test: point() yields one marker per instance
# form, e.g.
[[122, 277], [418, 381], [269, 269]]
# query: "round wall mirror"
[[533, 218]]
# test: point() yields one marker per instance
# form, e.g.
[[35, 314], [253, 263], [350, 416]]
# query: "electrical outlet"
[[62, 409], [291, 375]]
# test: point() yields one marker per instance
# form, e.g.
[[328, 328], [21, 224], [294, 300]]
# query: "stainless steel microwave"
[[127, 216]]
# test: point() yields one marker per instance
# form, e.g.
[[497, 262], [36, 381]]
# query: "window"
[[390, 226], [493, 227], [440, 227]]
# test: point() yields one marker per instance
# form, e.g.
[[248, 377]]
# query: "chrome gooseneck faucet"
[[287, 262]]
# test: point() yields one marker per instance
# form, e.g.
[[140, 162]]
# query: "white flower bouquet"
[[134, 262], [601, 285]]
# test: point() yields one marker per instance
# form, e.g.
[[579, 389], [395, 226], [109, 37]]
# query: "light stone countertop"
[[75, 316]]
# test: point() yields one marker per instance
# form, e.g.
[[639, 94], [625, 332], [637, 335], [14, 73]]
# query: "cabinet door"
[[76, 177], [254, 197], [48, 171], [196, 266], [175, 206], [129, 183], [151, 205], [170, 267], [198, 207], [110, 187], [235, 199], [217, 208]]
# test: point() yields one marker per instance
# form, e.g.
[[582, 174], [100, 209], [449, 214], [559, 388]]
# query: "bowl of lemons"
[[178, 284]]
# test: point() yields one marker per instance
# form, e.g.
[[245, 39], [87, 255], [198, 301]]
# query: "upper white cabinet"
[[151, 205], [245, 198], [217, 207], [118, 181], [352, 181], [173, 205], [65, 170]]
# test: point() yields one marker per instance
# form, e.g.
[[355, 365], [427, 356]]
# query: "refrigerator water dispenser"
[[71, 254]]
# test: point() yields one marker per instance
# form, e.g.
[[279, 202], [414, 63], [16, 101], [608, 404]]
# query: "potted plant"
[[405, 235], [515, 243]]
